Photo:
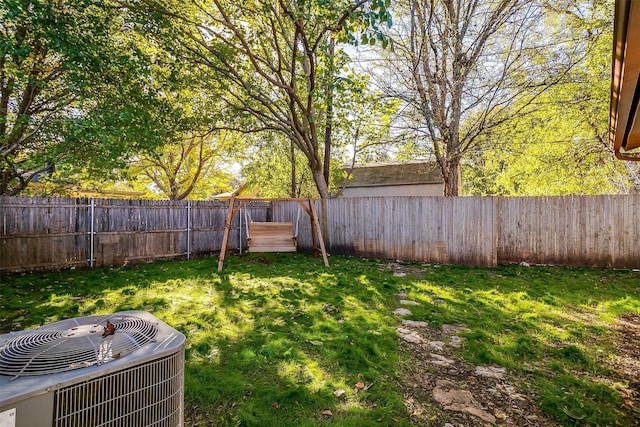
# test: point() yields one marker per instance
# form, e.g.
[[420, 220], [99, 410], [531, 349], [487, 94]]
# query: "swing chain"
[[247, 221], [295, 233]]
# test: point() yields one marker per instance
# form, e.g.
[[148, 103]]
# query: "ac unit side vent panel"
[[150, 394]]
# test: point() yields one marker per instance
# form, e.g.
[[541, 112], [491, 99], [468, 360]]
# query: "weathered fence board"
[[600, 231], [44, 232], [430, 229], [50, 233]]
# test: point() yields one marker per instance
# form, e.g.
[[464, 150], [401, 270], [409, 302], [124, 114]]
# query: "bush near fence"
[[593, 231]]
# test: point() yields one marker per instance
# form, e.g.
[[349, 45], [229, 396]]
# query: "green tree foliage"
[[514, 92], [561, 146], [365, 122], [191, 168], [277, 170], [195, 159], [272, 59], [362, 132], [75, 89], [549, 152], [464, 68]]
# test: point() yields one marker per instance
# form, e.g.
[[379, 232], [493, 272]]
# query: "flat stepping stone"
[[457, 341], [435, 345], [519, 399], [440, 360], [402, 295], [454, 329], [408, 302], [491, 372], [409, 336], [414, 324], [458, 400], [402, 312]]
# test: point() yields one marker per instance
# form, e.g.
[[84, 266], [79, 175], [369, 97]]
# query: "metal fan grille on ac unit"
[[74, 343]]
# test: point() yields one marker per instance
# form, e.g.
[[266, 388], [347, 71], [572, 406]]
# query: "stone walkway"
[[466, 395]]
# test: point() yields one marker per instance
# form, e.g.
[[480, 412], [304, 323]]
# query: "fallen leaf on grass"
[[362, 386]]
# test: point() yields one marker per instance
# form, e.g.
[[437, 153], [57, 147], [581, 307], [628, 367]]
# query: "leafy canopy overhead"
[[274, 59], [503, 90], [560, 147], [76, 88]]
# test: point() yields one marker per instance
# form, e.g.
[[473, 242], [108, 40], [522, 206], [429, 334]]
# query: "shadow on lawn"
[[30, 300], [310, 339], [552, 327], [265, 340], [279, 337]]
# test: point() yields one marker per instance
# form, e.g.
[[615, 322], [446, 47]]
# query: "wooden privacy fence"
[[591, 231], [594, 231], [50, 233]]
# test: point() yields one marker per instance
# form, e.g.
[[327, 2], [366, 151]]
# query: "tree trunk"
[[451, 175], [329, 100], [327, 147], [321, 184], [293, 169]]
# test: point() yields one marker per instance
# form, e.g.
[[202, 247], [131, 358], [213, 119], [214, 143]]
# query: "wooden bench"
[[271, 237]]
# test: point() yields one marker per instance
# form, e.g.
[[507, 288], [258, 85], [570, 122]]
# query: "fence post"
[[92, 208], [188, 229], [240, 233]]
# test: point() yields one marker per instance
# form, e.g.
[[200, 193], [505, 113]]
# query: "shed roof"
[[395, 173]]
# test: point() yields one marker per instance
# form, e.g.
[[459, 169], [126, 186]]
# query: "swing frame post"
[[232, 211], [316, 231], [314, 219]]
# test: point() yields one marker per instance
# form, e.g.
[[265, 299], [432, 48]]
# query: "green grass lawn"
[[273, 337]]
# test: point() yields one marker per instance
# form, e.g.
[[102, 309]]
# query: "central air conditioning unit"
[[124, 369]]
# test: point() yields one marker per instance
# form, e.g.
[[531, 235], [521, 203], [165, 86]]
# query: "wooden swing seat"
[[271, 237]]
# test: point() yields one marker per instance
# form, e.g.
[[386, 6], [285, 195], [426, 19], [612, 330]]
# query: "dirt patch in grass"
[[433, 373], [566, 363], [279, 338], [402, 270], [440, 388], [626, 362]]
